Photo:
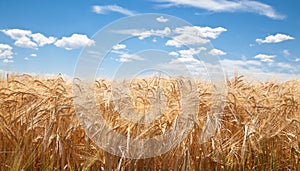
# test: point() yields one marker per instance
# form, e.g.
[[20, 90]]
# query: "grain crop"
[[258, 128]]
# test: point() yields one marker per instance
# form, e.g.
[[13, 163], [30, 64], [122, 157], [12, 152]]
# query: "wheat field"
[[258, 129]]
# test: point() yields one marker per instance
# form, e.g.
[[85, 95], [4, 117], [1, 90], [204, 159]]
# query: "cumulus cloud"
[[162, 19], [189, 35], [27, 39], [275, 38], [217, 52], [42, 40], [205, 32], [185, 39], [5, 51], [25, 42], [16, 34], [112, 8], [119, 46], [228, 6], [74, 41], [173, 54], [189, 53], [265, 58]]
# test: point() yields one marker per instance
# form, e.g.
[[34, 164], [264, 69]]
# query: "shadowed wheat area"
[[258, 128]]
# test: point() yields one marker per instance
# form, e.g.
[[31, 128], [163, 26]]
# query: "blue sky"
[[251, 37]]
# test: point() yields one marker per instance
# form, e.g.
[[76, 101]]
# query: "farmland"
[[258, 128]]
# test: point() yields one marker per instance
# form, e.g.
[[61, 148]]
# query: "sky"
[[254, 38]]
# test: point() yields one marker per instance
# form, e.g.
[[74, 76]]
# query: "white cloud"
[[205, 32], [112, 8], [42, 40], [126, 57], [142, 34], [189, 53], [26, 39], [8, 61], [186, 60], [217, 52], [228, 6], [26, 58], [186, 35], [185, 39], [162, 19], [5, 51], [119, 46], [189, 35], [297, 59], [33, 55], [74, 41], [173, 54], [265, 58], [275, 38], [16, 34], [25, 42]]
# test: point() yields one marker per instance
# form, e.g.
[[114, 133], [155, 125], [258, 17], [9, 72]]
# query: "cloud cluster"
[[217, 52], [191, 52], [74, 41], [186, 35], [112, 8], [275, 38], [27, 39], [228, 6], [190, 35], [178, 37], [5, 51]]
